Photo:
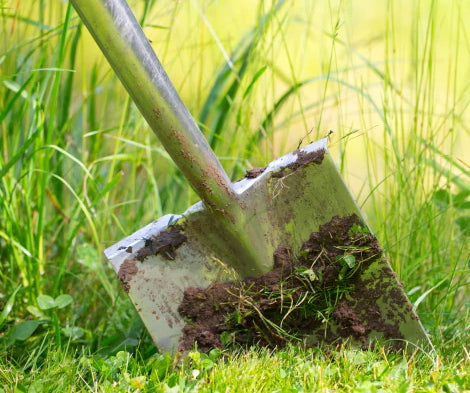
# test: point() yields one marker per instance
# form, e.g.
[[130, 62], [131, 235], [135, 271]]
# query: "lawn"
[[80, 170]]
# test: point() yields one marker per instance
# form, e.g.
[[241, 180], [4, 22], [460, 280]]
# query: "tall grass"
[[79, 169]]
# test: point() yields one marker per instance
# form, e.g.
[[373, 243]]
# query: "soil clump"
[[318, 295], [255, 172], [127, 269], [303, 159], [165, 243]]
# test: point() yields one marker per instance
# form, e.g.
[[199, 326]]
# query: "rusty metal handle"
[[122, 41]]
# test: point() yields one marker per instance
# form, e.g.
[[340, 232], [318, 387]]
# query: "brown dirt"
[[127, 269], [128, 249], [303, 159], [321, 281], [255, 172], [165, 244]]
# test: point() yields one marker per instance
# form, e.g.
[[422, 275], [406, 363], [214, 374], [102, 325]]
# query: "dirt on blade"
[[303, 159], [164, 244], [319, 295], [127, 269], [255, 172]]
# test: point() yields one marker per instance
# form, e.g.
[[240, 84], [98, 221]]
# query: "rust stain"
[[213, 172], [178, 136], [169, 321], [158, 113], [225, 213], [207, 187]]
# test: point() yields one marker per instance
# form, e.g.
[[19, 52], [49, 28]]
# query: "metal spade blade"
[[237, 225]]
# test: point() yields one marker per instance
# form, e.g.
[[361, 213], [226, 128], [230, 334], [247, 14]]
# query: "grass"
[[79, 170], [255, 370]]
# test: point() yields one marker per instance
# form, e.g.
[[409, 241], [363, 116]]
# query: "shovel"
[[295, 217]]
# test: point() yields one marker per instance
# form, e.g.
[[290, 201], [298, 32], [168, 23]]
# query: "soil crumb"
[[165, 244], [318, 295], [255, 172]]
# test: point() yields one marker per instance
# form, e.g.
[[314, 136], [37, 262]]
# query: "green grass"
[[255, 370], [79, 170]]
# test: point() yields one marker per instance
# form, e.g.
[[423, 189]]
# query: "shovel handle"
[[122, 41]]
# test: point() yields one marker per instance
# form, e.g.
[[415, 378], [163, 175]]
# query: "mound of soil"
[[303, 294]]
